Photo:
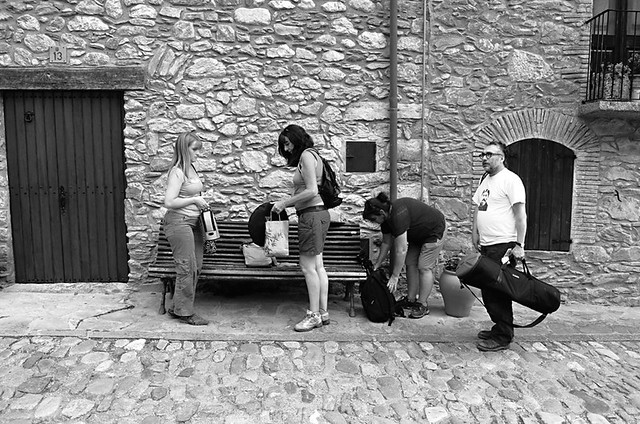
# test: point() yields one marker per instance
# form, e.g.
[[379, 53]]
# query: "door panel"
[[546, 170], [66, 179]]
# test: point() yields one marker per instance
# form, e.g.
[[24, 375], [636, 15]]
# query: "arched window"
[[546, 169]]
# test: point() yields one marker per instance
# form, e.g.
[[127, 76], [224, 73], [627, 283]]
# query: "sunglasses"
[[488, 155]]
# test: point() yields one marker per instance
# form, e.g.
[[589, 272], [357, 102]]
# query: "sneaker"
[[324, 316], [419, 310], [484, 334], [405, 303], [491, 345], [311, 321]]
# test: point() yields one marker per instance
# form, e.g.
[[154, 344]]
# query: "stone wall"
[[515, 70], [239, 72]]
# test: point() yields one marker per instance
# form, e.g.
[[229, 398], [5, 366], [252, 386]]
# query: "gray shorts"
[[313, 227]]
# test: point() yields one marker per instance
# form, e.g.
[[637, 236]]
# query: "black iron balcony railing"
[[614, 56]]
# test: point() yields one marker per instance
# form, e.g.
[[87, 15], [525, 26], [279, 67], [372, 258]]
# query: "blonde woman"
[[184, 202]]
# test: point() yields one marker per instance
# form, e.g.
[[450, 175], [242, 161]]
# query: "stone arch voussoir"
[[568, 131]]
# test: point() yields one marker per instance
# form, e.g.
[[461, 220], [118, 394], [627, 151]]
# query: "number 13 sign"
[[57, 54]]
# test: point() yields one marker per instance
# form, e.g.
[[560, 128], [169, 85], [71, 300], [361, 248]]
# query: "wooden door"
[[546, 170], [65, 154]]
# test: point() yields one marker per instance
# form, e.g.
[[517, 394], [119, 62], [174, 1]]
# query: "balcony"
[[613, 80]]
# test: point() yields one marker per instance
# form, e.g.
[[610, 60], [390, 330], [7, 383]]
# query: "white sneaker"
[[311, 321], [324, 315]]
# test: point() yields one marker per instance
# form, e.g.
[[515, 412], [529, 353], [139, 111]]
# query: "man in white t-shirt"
[[499, 229]]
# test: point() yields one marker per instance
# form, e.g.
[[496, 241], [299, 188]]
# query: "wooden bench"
[[341, 260]]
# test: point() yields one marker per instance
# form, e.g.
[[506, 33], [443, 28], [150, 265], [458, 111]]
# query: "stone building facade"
[[238, 72]]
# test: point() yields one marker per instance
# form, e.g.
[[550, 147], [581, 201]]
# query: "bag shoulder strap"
[[531, 324], [319, 158]]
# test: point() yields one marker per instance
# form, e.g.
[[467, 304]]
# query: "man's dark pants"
[[498, 305]]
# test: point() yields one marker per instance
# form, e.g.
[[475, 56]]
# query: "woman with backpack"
[[296, 146], [416, 231]]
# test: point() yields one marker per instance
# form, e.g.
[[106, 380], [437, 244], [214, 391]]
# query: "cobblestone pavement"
[[84, 380]]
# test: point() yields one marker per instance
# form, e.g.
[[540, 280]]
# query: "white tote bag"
[[276, 238]]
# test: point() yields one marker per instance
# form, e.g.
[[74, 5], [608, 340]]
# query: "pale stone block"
[[257, 16], [334, 7], [87, 23], [28, 401], [372, 40], [48, 407], [143, 11], [363, 5], [28, 23], [183, 30], [76, 408], [282, 4]]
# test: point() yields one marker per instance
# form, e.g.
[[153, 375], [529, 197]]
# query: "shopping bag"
[[255, 256], [276, 238]]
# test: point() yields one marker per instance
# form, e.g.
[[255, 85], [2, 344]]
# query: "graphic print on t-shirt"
[[483, 203]]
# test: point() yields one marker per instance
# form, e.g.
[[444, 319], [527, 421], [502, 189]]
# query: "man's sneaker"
[[324, 316], [484, 334], [311, 321], [194, 320], [419, 311], [405, 303], [491, 345]]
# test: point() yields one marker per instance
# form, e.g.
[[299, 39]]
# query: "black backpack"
[[329, 189], [378, 302]]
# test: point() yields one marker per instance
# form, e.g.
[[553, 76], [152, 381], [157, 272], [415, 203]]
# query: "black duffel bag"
[[484, 273]]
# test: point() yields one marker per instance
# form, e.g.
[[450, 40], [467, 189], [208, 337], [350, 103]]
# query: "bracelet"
[[518, 244]]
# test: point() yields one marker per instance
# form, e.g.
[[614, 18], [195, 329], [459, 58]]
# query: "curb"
[[319, 337]]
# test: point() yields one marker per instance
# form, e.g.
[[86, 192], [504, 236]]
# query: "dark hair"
[[374, 206], [300, 140], [503, 149]]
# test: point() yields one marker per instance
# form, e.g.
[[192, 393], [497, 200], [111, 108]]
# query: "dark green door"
[[65, 155], [546, 169]]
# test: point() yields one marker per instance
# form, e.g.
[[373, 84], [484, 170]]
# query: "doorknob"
[[62, 199]]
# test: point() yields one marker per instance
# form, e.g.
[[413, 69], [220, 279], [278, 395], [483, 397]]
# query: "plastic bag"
[[255, 256]]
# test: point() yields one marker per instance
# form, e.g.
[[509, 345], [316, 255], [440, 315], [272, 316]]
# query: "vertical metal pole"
[[423, 140], [393, 101]]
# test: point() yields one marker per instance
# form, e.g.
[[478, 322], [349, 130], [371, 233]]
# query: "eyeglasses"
[[488, 155]]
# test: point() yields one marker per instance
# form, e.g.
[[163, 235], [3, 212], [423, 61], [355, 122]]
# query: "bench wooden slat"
[[342, 248]]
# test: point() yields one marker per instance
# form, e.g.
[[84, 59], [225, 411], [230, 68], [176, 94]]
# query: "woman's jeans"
[[186, 239]]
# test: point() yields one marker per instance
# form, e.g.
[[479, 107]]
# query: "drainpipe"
[[423, 109], [393, 101]]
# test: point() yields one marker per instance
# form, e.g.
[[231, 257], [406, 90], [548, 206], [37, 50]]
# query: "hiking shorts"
[[313, 227], [425, 256]]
